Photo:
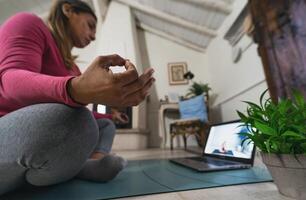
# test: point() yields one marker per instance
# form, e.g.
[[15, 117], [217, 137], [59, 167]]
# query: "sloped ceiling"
[[192, 23], [39, 7], [10, 7]]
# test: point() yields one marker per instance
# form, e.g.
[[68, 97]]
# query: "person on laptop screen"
[[223, 150], [229, 144]]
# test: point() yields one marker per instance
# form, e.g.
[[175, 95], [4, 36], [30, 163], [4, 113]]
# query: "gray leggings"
[[45, 144]]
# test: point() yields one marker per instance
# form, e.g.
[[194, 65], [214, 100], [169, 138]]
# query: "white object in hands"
[[117, 69]]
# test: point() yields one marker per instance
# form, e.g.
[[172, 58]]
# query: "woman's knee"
[[79, 121], [60, 123], [41, 127], [56, 140]]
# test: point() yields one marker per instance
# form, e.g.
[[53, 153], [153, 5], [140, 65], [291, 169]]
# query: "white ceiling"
[[192, 23], [39, 7], [10, 7]]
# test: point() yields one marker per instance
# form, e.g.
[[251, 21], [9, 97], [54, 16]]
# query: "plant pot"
[[288, 172]]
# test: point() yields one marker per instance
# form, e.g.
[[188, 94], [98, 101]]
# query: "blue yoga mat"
[[142, 178]]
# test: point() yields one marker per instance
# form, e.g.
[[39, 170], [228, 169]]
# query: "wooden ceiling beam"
[[171, 37], [210, 4], [169, 18]]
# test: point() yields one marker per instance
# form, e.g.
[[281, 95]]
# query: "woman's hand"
[[99, 85], [119, 117]]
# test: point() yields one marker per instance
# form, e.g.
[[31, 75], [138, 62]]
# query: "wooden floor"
[[258, 191]]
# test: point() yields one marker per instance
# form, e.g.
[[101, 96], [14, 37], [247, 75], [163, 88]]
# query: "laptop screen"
[[224, 139]]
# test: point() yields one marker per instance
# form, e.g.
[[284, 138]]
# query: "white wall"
[[162, 51], [117, 35], [234, 82], [86, 55], [158, 52], [230, 82]]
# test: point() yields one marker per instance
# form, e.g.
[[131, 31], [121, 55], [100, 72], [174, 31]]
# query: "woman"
[[47, 135]]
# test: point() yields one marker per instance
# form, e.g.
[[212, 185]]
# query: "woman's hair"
[[58, 25]]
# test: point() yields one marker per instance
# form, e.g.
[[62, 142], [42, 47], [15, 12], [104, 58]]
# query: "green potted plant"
[[197, 88], [279, 131]]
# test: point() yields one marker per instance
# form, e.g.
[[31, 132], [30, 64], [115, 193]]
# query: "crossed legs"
[[45, 144]]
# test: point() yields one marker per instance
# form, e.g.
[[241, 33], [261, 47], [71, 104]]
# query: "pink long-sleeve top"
[[32, 70]]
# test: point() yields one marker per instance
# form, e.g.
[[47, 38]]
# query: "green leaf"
[[267, 143], [242, 116], [198, 89], [253, 105], [265, 129], [277, 127], [284, 106], [293, 134], [274, 146], [262, 96], [299, 98], [268, 105], [300, 129]]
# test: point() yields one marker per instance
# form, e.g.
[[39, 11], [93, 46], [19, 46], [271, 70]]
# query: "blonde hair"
[[58, 25]]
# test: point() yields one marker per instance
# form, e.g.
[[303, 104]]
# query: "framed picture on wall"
[[176, 73]]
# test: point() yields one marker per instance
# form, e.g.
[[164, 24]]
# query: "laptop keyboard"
[[213, 161]]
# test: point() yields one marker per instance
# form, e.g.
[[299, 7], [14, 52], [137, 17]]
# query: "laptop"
[[223, 150]]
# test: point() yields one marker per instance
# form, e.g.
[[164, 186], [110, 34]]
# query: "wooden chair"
[[194, 124]]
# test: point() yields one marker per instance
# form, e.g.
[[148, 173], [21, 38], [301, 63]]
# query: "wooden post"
[[280, 31]]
